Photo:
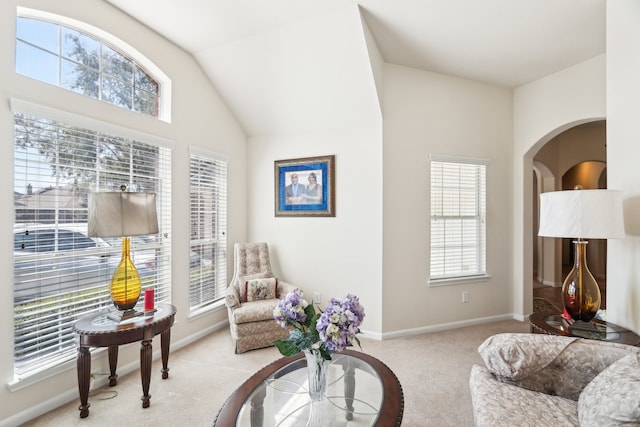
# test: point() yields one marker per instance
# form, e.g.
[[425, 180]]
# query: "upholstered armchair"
[[549, 380], [251, 298]]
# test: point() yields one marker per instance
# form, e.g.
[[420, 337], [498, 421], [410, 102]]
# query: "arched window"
[[74, 56], [60, 157]]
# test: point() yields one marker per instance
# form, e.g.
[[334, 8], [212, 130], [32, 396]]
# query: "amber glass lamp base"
[[125, 283], [580, 291]]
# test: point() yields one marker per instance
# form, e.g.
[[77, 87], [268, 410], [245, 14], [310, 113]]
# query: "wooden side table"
[[98, 330], [553, 323]]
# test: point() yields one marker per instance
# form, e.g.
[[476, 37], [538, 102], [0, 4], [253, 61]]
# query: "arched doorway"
[[576, 156]]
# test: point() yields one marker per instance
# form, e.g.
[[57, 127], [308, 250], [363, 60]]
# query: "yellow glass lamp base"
[[125, 283]]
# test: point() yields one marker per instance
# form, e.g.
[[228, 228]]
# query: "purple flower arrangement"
[[325, 332]]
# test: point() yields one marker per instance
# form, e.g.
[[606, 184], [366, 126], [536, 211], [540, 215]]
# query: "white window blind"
[[208, 193], [458, 218], [59, 272]]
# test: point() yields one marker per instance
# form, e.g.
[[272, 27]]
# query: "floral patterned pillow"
[[613, 397], [260, 289]]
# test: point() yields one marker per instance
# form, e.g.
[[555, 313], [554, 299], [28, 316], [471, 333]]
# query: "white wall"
[[331, 255], [623, 152], [339, 255], [541, 110], [199, 118], [305, 77], [427, 113]]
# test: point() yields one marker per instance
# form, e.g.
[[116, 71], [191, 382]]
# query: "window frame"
[[160, 250], [437, 199], [147, 66]]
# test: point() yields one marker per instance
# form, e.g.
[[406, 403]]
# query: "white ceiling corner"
[[281, 65]]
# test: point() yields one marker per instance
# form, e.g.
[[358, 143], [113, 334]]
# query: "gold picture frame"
[[305, 187]]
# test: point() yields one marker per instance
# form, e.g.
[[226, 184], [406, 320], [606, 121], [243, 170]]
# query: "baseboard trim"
[[446, 326]]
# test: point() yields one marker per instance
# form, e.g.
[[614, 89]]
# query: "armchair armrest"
[[284, 288], [232, 298], [554, 365]]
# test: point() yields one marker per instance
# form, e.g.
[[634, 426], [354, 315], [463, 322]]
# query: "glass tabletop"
[[282, 399], [104, 319], [590, 330]]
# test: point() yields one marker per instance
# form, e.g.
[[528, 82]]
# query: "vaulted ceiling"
[[273, 61]]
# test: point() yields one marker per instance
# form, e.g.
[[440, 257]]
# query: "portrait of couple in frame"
[[305, 186]]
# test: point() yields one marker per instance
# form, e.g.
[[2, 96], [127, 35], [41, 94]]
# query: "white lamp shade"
[[121, 214], [582, 214]]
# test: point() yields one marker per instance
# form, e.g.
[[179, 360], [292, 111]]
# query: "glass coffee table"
[[361, 391]]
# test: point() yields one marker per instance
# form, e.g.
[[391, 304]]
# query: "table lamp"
[[123, 214], [581, 214]]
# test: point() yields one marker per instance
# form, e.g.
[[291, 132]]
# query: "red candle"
[[148, 299]]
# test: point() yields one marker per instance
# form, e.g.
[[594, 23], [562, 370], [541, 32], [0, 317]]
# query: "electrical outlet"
[[465, 296], [316, 297]]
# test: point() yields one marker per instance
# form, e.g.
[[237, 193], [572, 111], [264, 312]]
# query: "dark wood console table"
[[98, 330]]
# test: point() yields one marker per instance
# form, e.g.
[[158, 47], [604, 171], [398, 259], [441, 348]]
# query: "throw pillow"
[[242, 280], [514, 356], [236, 291], [259, 289], [613, 397]]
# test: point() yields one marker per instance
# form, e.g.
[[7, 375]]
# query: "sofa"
[[546, 380], [252, 296]]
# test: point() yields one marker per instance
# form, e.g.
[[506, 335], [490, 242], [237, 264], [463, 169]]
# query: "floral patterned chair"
[[547, 380], [251, 298]]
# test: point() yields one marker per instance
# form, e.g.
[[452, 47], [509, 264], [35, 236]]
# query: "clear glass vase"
[[317, 368]]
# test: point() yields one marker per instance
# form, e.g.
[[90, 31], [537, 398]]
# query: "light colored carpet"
[[432, 368]]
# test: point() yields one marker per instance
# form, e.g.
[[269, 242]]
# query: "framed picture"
[[305, 187]]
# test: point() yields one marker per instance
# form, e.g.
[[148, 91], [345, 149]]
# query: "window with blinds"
[[59, 272], [208, 194], [458, 218]]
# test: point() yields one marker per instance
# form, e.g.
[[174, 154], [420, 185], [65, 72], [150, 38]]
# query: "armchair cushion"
[[560, 366], [255, 311], [613, 397], [259, 289]]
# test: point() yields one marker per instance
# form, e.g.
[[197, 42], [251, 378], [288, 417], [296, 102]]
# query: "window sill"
[[48, 372], [458, 280], [204, 311]]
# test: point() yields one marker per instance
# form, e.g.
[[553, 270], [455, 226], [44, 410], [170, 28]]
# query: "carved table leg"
[[349, 389], [83, 363], [113, 363], [145, 371], [165, 340]]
